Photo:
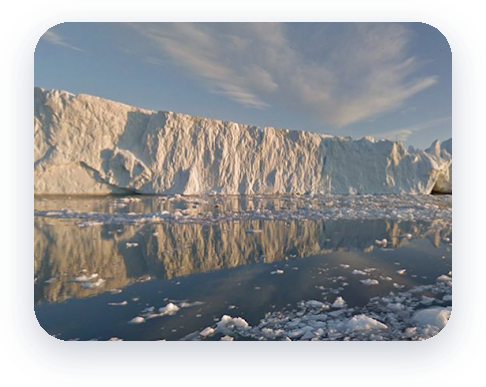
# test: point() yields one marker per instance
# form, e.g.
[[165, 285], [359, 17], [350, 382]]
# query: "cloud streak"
[[341, 76], [56, 39]]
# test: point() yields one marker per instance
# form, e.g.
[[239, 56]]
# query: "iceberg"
[[85, 145]]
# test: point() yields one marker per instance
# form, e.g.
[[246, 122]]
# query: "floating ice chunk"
[[369, 282], [207, 332], [383, 242], [277, 272], [309, 335], [436, 316], [410, 332], [397, 286], [137, 320], [316, 305], [444, 278], [186, 304], [169, 310], [270, 334], [427, 300], [358, 272], [294, 323], [447, 297], [344, 266], [228, 322], [402, 271], [123, 303], [396, 307], [364, 323], [300, 333], [339, 303], [386, 278], [370, 270], [115, 339], [227, 338]]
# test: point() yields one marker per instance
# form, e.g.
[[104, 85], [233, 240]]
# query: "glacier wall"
[[89, 145]]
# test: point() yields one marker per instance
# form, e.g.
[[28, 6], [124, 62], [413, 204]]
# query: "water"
[[220, 256]]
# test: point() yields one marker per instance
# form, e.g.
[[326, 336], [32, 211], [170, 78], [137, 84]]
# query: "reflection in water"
[[123, 254], [387, 257]]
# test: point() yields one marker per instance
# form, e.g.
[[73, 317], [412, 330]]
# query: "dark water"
[[243, 268]]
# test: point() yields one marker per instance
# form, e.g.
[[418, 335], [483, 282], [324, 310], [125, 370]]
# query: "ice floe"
[[396, 316], [339, 303], [340, 207], [369, 282], [170, 309]]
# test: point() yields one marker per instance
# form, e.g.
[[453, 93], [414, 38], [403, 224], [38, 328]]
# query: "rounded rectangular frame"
[[211, 361]]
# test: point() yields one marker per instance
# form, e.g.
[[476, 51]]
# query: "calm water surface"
[[92, 280]]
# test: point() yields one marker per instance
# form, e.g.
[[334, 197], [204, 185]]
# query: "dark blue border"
[[398, 361]]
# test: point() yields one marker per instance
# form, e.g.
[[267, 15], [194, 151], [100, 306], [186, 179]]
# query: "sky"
[[386, 80]]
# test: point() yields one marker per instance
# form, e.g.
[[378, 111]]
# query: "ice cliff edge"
[[89, 145]]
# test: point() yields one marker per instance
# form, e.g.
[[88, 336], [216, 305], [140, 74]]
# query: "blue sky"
[[380, 79]]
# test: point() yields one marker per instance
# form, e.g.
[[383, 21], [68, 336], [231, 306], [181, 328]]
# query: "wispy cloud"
[[402, 134], [341, 77], [54, 38]]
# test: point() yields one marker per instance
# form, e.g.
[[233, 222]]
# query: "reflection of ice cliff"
[[88, 145], [122, 255]]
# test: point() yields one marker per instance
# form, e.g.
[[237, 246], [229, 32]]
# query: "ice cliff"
[[88, 145]]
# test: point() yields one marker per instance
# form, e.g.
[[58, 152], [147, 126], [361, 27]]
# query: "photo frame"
[[412, 362]]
